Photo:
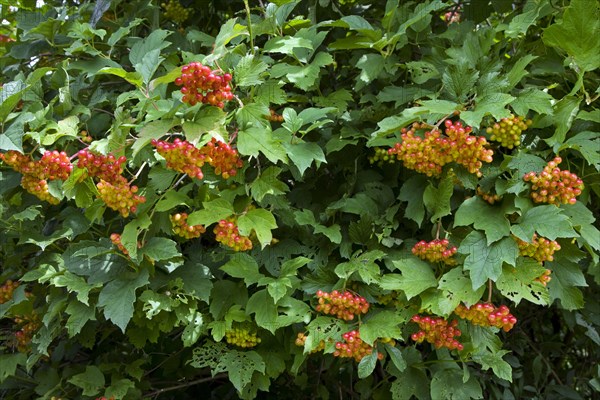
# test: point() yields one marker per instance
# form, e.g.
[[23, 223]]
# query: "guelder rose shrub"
[[292, 200]]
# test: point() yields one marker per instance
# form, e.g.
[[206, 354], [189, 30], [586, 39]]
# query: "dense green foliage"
[[138, 302]]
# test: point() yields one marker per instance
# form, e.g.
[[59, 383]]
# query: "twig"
[[490, 288], [249, 25], [184, 385], [548, 364]]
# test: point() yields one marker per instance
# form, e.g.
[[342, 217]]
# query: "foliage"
[[142, 276]]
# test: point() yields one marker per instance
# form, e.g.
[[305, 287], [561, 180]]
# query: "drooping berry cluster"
[[485, 314], [301, 340], [381, 157], [175, 11], [429, 154], [181, 156], [242, 337], [540, 248], [489, 197], [553, 185], [437, 331], [85, 137], [203, 85], [222, 157], [390, 298], [227, 233], [342, 305], [508, 130], [108, 168], [434, 251], [353, 347], [452, 16], [274, 117], [120, 197], [28, 324], [52, 166], [181, 228], [6, 290], [544, 278], [115, 238]]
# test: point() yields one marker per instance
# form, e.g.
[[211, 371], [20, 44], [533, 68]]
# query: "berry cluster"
[[115, 238], [108, 168], [222, 157], [85, 137], [343, 305], [301, 340], [554, 186], [508, 131], [203, 85], [353, 347], [381, 157], [120, 197], [241, 337], [490, 198], [437, 331], [390, 298], [429, 154], [181, 156], [274, 117], [540, 248], [452, 16], [226, 232], [434, 251], [29, 324], [544, 278], [6, 290], [52, 166], [181, 228], [485, 314], [175, 11]]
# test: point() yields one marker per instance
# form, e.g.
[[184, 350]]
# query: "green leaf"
[[152, 130], [483, 217], [259, 139], [493, 104], [437, 200], [260, 221], [286, 44], [80, 314], [485, 261], [91, 381], [171, 200], [264, 309], [9, 363], [143, 47], [193, 330], [249, 70], [573, 34], [548, 221], [457, 288], [449, 384], [412, 382], [135, 78], [229, 31], [214, 211], [519, 283], [119, 388], [363, 264], [159, 249], [565, 111], [416, 277], [566, 277], [118, 297], [588, 144], [533, 99], [396, 357], [412, 191], [366, 366], [488, 360], [518, 71], [268, 184], [303, 154], [243, 266], [384, 324]]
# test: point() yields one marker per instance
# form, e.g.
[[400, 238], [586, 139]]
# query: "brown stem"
[[437, 232], [490, 288], [184, 385]]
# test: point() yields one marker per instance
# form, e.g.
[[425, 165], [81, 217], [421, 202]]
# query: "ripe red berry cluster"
[[489, 197], [353, 347], [540, 248], [274, 117], [175, 11], [452, 17], [242, 337], [53, 165], [553, 185], [181, 156], [508, 131], [181, 228], [381, 157], [485, 314], [429, 154], [342, 305], [301, 340], [115, 238], [222, 157], [6, 290], [29, 324], [434, 251], [226, 232], [437, 331], [120, 197], [203, 85], [108, 168]]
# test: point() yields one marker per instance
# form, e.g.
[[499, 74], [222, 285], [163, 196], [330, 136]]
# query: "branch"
[[158, 392]]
